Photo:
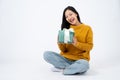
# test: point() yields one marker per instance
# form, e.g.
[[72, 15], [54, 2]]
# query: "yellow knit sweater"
[[81, 50]]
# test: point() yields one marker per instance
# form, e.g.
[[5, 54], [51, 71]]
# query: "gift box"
[[66, 35]]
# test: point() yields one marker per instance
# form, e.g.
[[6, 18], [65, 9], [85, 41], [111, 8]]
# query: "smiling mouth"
[[71, 20]]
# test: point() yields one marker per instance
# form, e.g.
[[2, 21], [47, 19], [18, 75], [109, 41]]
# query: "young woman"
[[73, 58]]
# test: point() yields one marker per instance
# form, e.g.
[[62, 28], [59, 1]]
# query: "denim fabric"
[[79, 66], [70, 67], [56, 59]]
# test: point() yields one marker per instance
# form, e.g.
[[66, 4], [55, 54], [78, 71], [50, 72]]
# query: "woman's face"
[[71, 17]]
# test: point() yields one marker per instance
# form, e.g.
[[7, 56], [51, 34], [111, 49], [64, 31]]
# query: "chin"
[[73, 24]]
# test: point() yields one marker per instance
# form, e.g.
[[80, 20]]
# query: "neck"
[[77, 24]]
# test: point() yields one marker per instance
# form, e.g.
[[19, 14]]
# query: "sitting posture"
[[74, 57]]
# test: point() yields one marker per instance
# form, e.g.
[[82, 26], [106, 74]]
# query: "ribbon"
[[66, 35]]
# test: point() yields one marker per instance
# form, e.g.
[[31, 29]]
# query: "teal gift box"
[[65, 36]]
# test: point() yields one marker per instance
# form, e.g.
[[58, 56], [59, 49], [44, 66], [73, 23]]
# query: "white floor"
[[40, 70]]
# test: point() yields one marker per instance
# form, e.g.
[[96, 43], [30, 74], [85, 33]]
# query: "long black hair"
[[66, 24]]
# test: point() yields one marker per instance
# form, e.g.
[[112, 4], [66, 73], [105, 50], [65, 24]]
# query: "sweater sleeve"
[[88, 45], [62, 47]]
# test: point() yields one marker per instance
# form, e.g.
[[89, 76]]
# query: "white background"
[[30, 27]]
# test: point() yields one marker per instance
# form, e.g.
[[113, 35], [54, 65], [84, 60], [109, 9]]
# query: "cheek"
[[75, 17], [67, 20]]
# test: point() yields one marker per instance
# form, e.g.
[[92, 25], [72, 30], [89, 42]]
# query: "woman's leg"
[[56, 59], [79, 66]]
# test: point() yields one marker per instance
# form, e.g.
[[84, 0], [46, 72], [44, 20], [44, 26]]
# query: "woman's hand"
[[74, 41]]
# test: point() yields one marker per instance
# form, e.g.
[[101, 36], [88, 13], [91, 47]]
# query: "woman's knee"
[[48, 55]]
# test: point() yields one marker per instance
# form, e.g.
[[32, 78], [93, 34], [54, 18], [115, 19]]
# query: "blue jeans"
[[70, 67]]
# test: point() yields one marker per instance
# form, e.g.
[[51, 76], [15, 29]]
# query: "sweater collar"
[[75, 27]]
